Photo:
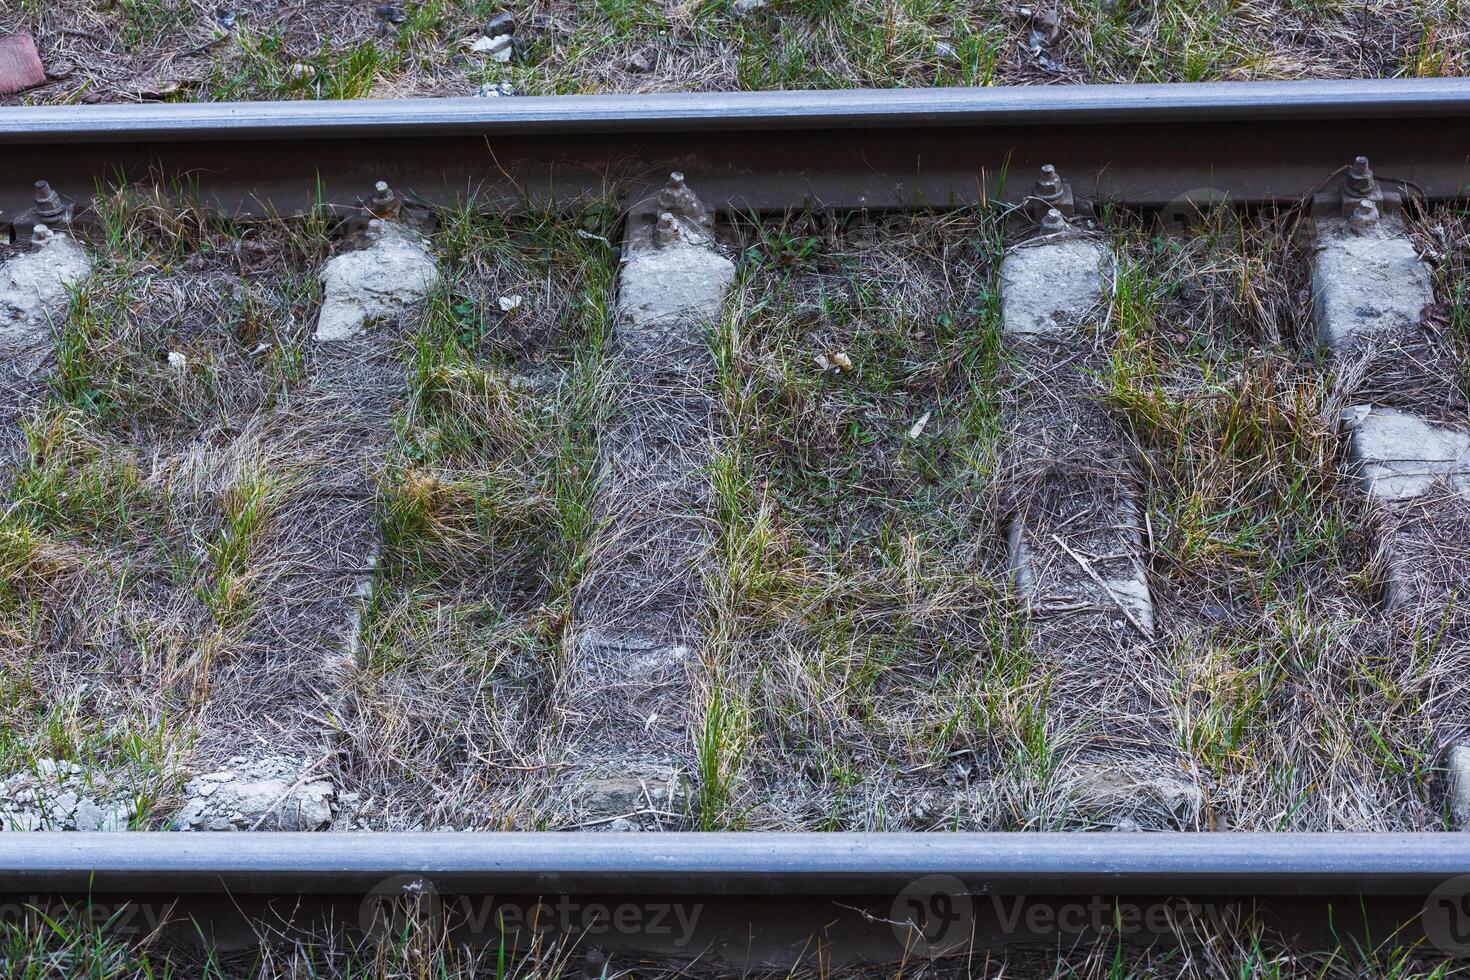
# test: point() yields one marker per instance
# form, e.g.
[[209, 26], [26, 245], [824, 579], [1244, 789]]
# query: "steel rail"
[[1146, 145], [696, 112], [756, 899]]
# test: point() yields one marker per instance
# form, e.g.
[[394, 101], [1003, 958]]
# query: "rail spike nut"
[[1049, 192], [678, 198], [48, 203], [384, 203], [1360, 180], [1364, 216], [1054, 223], [1049, 184], [665, 230]]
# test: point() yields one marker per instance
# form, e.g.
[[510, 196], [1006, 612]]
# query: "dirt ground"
[[193, 50]]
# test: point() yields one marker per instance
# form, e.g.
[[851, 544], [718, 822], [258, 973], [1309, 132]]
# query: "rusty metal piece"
[[1359, 180], [20, 64], [666, 230], [1364, 215], [48, 208], [1050, 192], [41, 234], [1358, 184], [384, 204], [1054, 223], [48, 203], [678, 199]]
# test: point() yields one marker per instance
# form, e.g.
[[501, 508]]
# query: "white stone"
[[35, 287], [1368, 285], [680, 281], [23, 822], [64, 804], [1400, 456], [89, 816], [499, 48], [1459, 775], [61, 796], [263, 792], [376, 283], [1046, 288]]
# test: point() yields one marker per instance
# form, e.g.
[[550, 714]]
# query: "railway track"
[[1353, 164]]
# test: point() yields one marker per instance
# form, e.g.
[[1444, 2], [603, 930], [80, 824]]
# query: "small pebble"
[[498, 48], [177, 361], [502, 23], [836, 361], [390, 13], [508, 303]]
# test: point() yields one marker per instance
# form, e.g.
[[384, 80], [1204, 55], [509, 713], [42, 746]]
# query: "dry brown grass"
[[183, 546], [487, 517], [65, 945], [143, 508]]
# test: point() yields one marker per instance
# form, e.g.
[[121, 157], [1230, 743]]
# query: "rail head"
[[741, 863], [1203, 102]]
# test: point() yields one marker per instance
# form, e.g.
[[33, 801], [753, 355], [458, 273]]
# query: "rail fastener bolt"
[[1359, 180], [666, 231], [1049, 191], [384, 203], [679, 199], [1054, 222], [1364, 215], [49, 206], [1049, 184]]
